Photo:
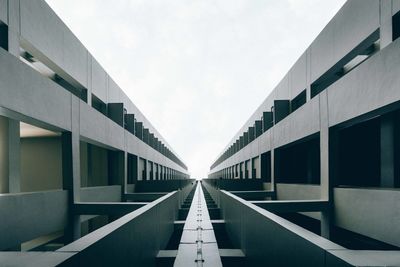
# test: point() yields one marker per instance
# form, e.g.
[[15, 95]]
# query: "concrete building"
[[311, 179], [75, 151], [324, 147]]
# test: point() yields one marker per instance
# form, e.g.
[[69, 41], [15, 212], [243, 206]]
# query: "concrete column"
[[274, 171], [14, 156], [326, 188], [71, 170], [308, 74], [4, 155], [388, 150], [10, 158], [71, 180], [14, 27], [272, 165], [138, 169], [386, 29]]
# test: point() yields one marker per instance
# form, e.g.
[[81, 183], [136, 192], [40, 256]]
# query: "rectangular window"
[[396, 25], [303, 157], [266, 167], [298, 101], [99, 105], [3, 36]]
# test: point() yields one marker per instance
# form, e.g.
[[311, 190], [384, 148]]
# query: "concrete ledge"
[[255, 195], [111, 193], [280, 206], [33, 259], [231, 253], [167, 254], [106, 208], [143, 196]]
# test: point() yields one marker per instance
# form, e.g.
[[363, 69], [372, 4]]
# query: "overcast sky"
[[197, 69]]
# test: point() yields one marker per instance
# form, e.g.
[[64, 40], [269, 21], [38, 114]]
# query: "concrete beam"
[[255, 195], [144, 196], [106, 208], [283, 206]]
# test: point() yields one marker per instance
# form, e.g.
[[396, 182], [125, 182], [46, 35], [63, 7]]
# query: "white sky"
[[197, 69]]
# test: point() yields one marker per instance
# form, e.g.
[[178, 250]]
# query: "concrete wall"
[[41, 164], [23, 216], [374, 212], [369, 90]]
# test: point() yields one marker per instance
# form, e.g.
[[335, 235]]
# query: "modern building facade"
[[311, 179], [73, 146], [324, 145]]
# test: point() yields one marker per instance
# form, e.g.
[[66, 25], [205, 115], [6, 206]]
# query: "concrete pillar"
[[4, 155], [308, 74], [386, 29], [274, 171], [248, 169], [71, 180], [10, 158], [272, 161], [388, 176], [14, 27], [326, 185], [71, 170], [14, 156]]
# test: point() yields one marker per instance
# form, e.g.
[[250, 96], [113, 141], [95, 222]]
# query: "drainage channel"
[[200, 237]]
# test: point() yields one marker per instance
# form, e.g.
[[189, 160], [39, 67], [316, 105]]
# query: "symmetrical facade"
[[311, 179]]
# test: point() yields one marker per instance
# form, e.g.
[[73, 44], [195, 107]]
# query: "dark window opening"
[[298, 101], [299, 163], [396, 25], [358, 160], [281, 110], [253, 168], [350, 61], [246, 169], [3, 36], [132, 168], [266, 167], [267, 120], [99, 105], [78, 92], [116, 112], [94, 162]]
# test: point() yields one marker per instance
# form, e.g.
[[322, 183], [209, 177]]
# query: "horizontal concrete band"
[[143, 196], [280, 206], [252, 195], [105, 208]]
